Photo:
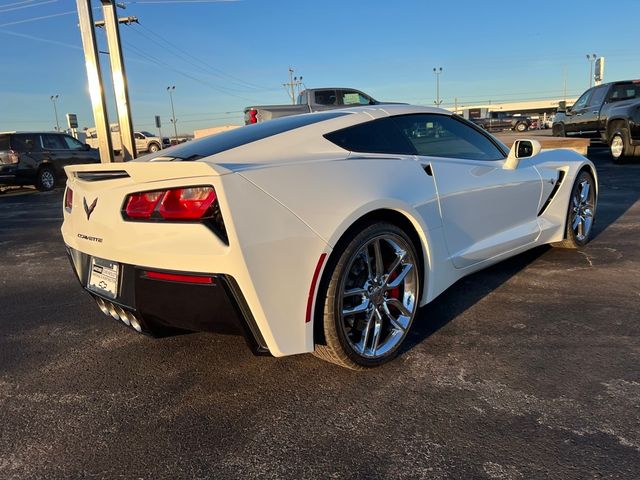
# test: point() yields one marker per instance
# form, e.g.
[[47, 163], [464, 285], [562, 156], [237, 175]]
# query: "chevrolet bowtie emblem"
[[88, 209]]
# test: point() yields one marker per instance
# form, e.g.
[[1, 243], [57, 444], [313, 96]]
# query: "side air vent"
[[556, 187], [100, 176]]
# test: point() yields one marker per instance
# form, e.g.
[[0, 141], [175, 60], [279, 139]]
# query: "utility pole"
[[437, 72], [54, 98], [94, 76], [291, 86], [564, 92], [455, 103], [171, 89], [119, 75], [591, 59]]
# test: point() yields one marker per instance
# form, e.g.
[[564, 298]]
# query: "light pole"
[[591, 59], [171, 89], [54, 98], [437, 72]]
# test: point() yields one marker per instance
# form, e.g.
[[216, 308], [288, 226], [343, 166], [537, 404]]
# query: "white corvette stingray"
[[316, 233]]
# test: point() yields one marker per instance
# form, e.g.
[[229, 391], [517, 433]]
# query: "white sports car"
[[316, 233]]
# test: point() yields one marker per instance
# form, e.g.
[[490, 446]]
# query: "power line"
[[3, 8], [34, 19], [40, 39], [203, 64]]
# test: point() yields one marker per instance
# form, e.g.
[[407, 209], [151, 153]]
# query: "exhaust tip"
[[135, 323], [112, 311], [102, 306], [124, 316]]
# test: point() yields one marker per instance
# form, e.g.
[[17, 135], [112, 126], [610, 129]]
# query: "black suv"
[[31, 158]]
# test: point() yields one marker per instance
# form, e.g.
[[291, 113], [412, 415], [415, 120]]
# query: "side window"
[[444, 136], [582, 101], [302, 98], [72, 143], [350, 97], [377, 136], [326, 97], [51, 141], [598, 96], [29, 142], [624, 92], [139, 136]]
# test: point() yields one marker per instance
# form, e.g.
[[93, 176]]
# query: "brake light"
[[186, 203], [191, 203], [253, 116], [142, 205], [68, 200]]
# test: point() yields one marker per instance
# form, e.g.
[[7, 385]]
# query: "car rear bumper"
[[161, 305]]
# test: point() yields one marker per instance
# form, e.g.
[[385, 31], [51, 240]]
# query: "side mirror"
[[521, 149]]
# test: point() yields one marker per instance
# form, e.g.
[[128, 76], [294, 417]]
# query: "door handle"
[[578, 114], [595, 113]]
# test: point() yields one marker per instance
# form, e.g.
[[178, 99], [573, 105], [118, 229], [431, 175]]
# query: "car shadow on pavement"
[[464, 294]]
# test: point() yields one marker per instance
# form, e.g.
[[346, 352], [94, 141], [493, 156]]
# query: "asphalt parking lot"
[[527, 370]]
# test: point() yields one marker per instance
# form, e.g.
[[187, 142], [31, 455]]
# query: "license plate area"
[[104, 277]]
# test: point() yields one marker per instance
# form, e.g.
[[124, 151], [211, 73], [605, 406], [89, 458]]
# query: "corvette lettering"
[[89, 238]]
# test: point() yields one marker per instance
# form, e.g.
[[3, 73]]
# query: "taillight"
[[143, 204], [190, 203], [253, 116], [68, 200]]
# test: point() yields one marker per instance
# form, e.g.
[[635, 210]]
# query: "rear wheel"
[[46, 179], [370, 299], [581, 213], [521, 127], [620, 145]]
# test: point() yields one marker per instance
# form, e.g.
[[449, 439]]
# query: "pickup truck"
[[609, 112], [145, 141], [310, 100], [498, 121]]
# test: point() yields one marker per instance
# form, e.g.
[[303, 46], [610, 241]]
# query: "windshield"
[[221, 142]]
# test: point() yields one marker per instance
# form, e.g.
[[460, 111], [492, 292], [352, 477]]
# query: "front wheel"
[[154, 147], [581, 212], [370, 298], [521, 127]]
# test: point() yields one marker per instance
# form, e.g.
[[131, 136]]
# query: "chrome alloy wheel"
[[378, 296], [583, 203], [47, 180], [617, 146]]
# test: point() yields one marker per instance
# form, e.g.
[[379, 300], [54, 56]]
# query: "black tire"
[[620, 145], [46, 179], [572, 238], [338, 344], [153, 147], [521, 127], [558, 130]]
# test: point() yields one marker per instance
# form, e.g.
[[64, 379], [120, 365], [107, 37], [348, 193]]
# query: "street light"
[[53, 99], [437, 72], [591, 59], [171, 89]]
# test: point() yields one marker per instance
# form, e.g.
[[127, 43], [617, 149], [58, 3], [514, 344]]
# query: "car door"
[[591, 114], [573, 125], [141, 142], [486, 209], [56, 152]]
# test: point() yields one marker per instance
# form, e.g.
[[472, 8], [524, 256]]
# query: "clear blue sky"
[[239, 53]]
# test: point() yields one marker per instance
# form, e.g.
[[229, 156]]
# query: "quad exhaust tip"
[[119, 313]]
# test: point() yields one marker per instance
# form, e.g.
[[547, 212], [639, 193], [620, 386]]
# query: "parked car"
[[145, 141], [310, 100], [498, 121], [39, 158], [609, 112], [321, 232]]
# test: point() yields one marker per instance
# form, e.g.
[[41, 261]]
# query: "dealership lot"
[[526, 370]]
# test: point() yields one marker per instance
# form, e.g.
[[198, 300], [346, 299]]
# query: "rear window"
[[376, 136], [4, 142], [625, 91], [224, 141]]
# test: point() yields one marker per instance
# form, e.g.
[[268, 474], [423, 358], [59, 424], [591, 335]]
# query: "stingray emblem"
[[88, 209]]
